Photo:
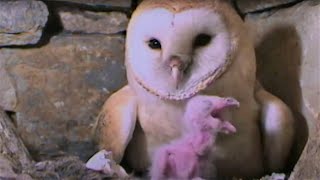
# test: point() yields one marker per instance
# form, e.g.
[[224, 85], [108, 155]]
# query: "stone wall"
[[61, 59]]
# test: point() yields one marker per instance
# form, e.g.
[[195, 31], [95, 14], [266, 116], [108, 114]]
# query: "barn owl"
[[174, 51]]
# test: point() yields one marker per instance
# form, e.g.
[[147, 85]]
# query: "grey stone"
[[101, 3], [247, 6], [61, 88], [6, 168], [65, 168], [288, 54], [8, 99], [93, 22], [24, 177], [22, 21], [12, 148]]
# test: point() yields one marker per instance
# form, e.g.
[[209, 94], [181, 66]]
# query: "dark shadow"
[[278, 69], [13, 117], [136, 148], [275, 8], [95, 7], [134, 4], [53, 26], [235, 5]]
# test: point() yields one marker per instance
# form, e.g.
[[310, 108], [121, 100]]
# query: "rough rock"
[[287, 48], [308, 166], [13, 154], [64, 167], [8, 98], [61, 88], [247, 6], [93, 22], [22, 21], [6, 168], [100, 3], [274, 176]]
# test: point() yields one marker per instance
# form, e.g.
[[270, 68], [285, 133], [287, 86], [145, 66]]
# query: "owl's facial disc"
[[175, 55]]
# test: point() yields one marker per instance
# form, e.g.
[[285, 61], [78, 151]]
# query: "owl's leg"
[[277, 125]]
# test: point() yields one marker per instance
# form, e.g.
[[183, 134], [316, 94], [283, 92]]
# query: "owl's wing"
[[116, 122], [277, 125]]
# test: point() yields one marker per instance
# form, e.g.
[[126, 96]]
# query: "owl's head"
[[175, 49]]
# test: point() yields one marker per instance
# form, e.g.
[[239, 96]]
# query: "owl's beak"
[[177, 68], [176, 75]]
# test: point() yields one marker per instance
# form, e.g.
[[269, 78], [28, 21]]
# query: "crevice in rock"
[[53, 26], [121, 33], [56, 4], [274, 8], [134, 4], [13, 117], [94, 8]]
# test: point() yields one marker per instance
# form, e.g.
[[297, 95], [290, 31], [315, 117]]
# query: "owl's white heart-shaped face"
[[174, 55]]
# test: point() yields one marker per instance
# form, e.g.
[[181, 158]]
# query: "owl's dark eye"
[[202, 40], [154, 44]]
